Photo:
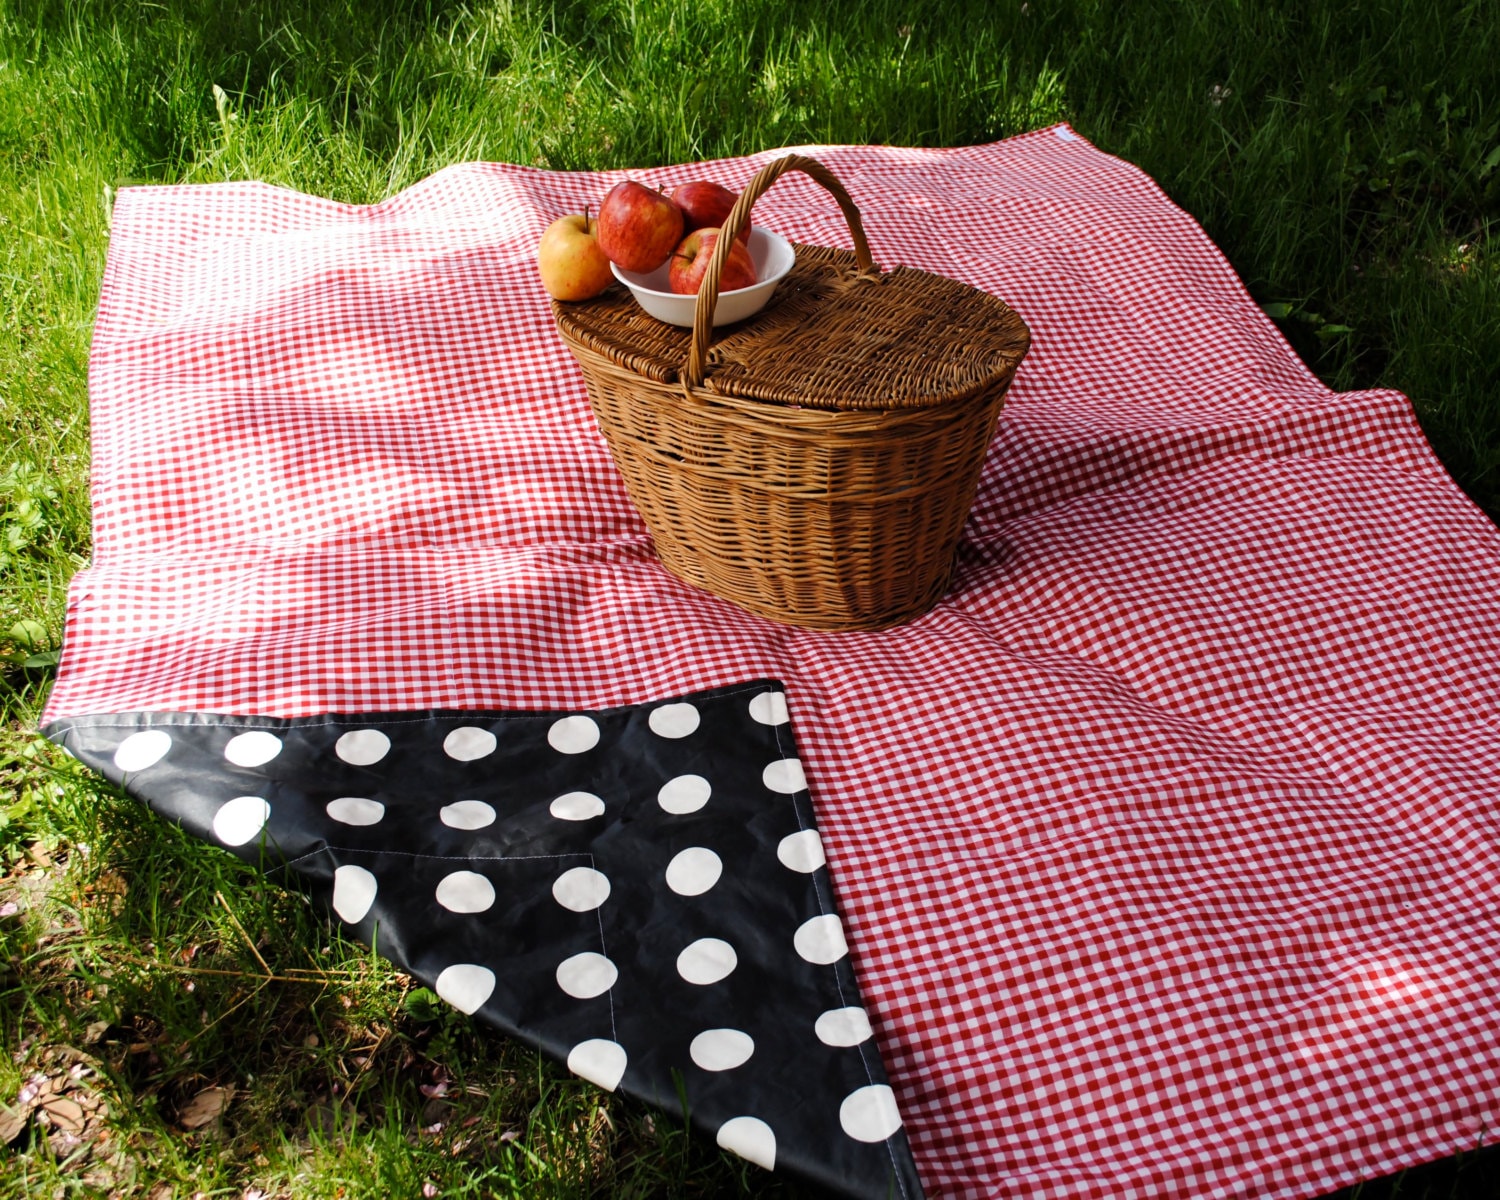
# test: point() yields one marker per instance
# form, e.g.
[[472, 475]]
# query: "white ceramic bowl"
[[772, 255]]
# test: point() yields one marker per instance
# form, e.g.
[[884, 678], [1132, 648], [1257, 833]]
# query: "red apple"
[[690, 263], [706, 206], [638, 227], [569, 260]]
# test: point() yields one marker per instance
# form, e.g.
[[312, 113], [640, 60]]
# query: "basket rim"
[[605, 326], [754, 415]]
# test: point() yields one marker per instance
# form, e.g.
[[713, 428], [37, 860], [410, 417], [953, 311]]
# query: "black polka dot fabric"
[[641, 892]]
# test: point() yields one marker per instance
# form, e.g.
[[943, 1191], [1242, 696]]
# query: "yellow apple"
[[569, 259]]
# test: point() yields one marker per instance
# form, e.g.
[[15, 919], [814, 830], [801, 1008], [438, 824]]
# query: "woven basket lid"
[[838, 333], [831, 337]]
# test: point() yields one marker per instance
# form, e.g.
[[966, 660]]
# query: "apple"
[[706, 206], [569, 260], [638, 227], [690, 263]]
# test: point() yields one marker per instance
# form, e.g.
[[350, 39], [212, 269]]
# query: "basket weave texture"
[[816, 463]]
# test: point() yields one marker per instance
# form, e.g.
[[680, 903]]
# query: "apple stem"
[[585, 218]]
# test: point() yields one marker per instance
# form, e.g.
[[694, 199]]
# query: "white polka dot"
[[600, 1061], [769, 708], [706, 961], [361, 747], [582, 889], [465, 892], [750, 1138], [353, 892], [253, 749], [355, 810], [821, 940], [784, 776], [466, 986], [870, 1114], [843, 1027], [468, 742], [586, 975], [801, 851], [241, 820], [577, 806], [573, 735], [721, 1049], [693, 871], [467, 814], [673, 720], [685, 794], [142, 750]]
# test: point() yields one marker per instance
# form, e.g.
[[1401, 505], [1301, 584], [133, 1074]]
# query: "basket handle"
[[739, 216]]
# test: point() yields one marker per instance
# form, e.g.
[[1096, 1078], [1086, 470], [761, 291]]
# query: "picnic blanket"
[[1161, 859]]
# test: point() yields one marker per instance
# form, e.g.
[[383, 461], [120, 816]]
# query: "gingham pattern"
[[1168, 843]]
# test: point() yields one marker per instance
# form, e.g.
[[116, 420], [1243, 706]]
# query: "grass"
[[1345, 156]]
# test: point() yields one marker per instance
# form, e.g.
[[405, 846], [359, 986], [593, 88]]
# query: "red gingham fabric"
[[1168, 843]]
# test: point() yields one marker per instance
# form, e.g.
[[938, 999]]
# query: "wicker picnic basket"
[[816, 463]]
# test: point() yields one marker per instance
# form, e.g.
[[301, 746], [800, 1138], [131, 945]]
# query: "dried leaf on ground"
[[208, 1105], [12, 1122], [60, 1103], [64, 1114]]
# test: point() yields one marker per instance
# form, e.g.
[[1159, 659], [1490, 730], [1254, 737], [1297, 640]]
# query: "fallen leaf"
[[63, 1143], [12, 1122], [28, 633], [206, 1106], [86, 1100], [65, 1114], [63, 1055]]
